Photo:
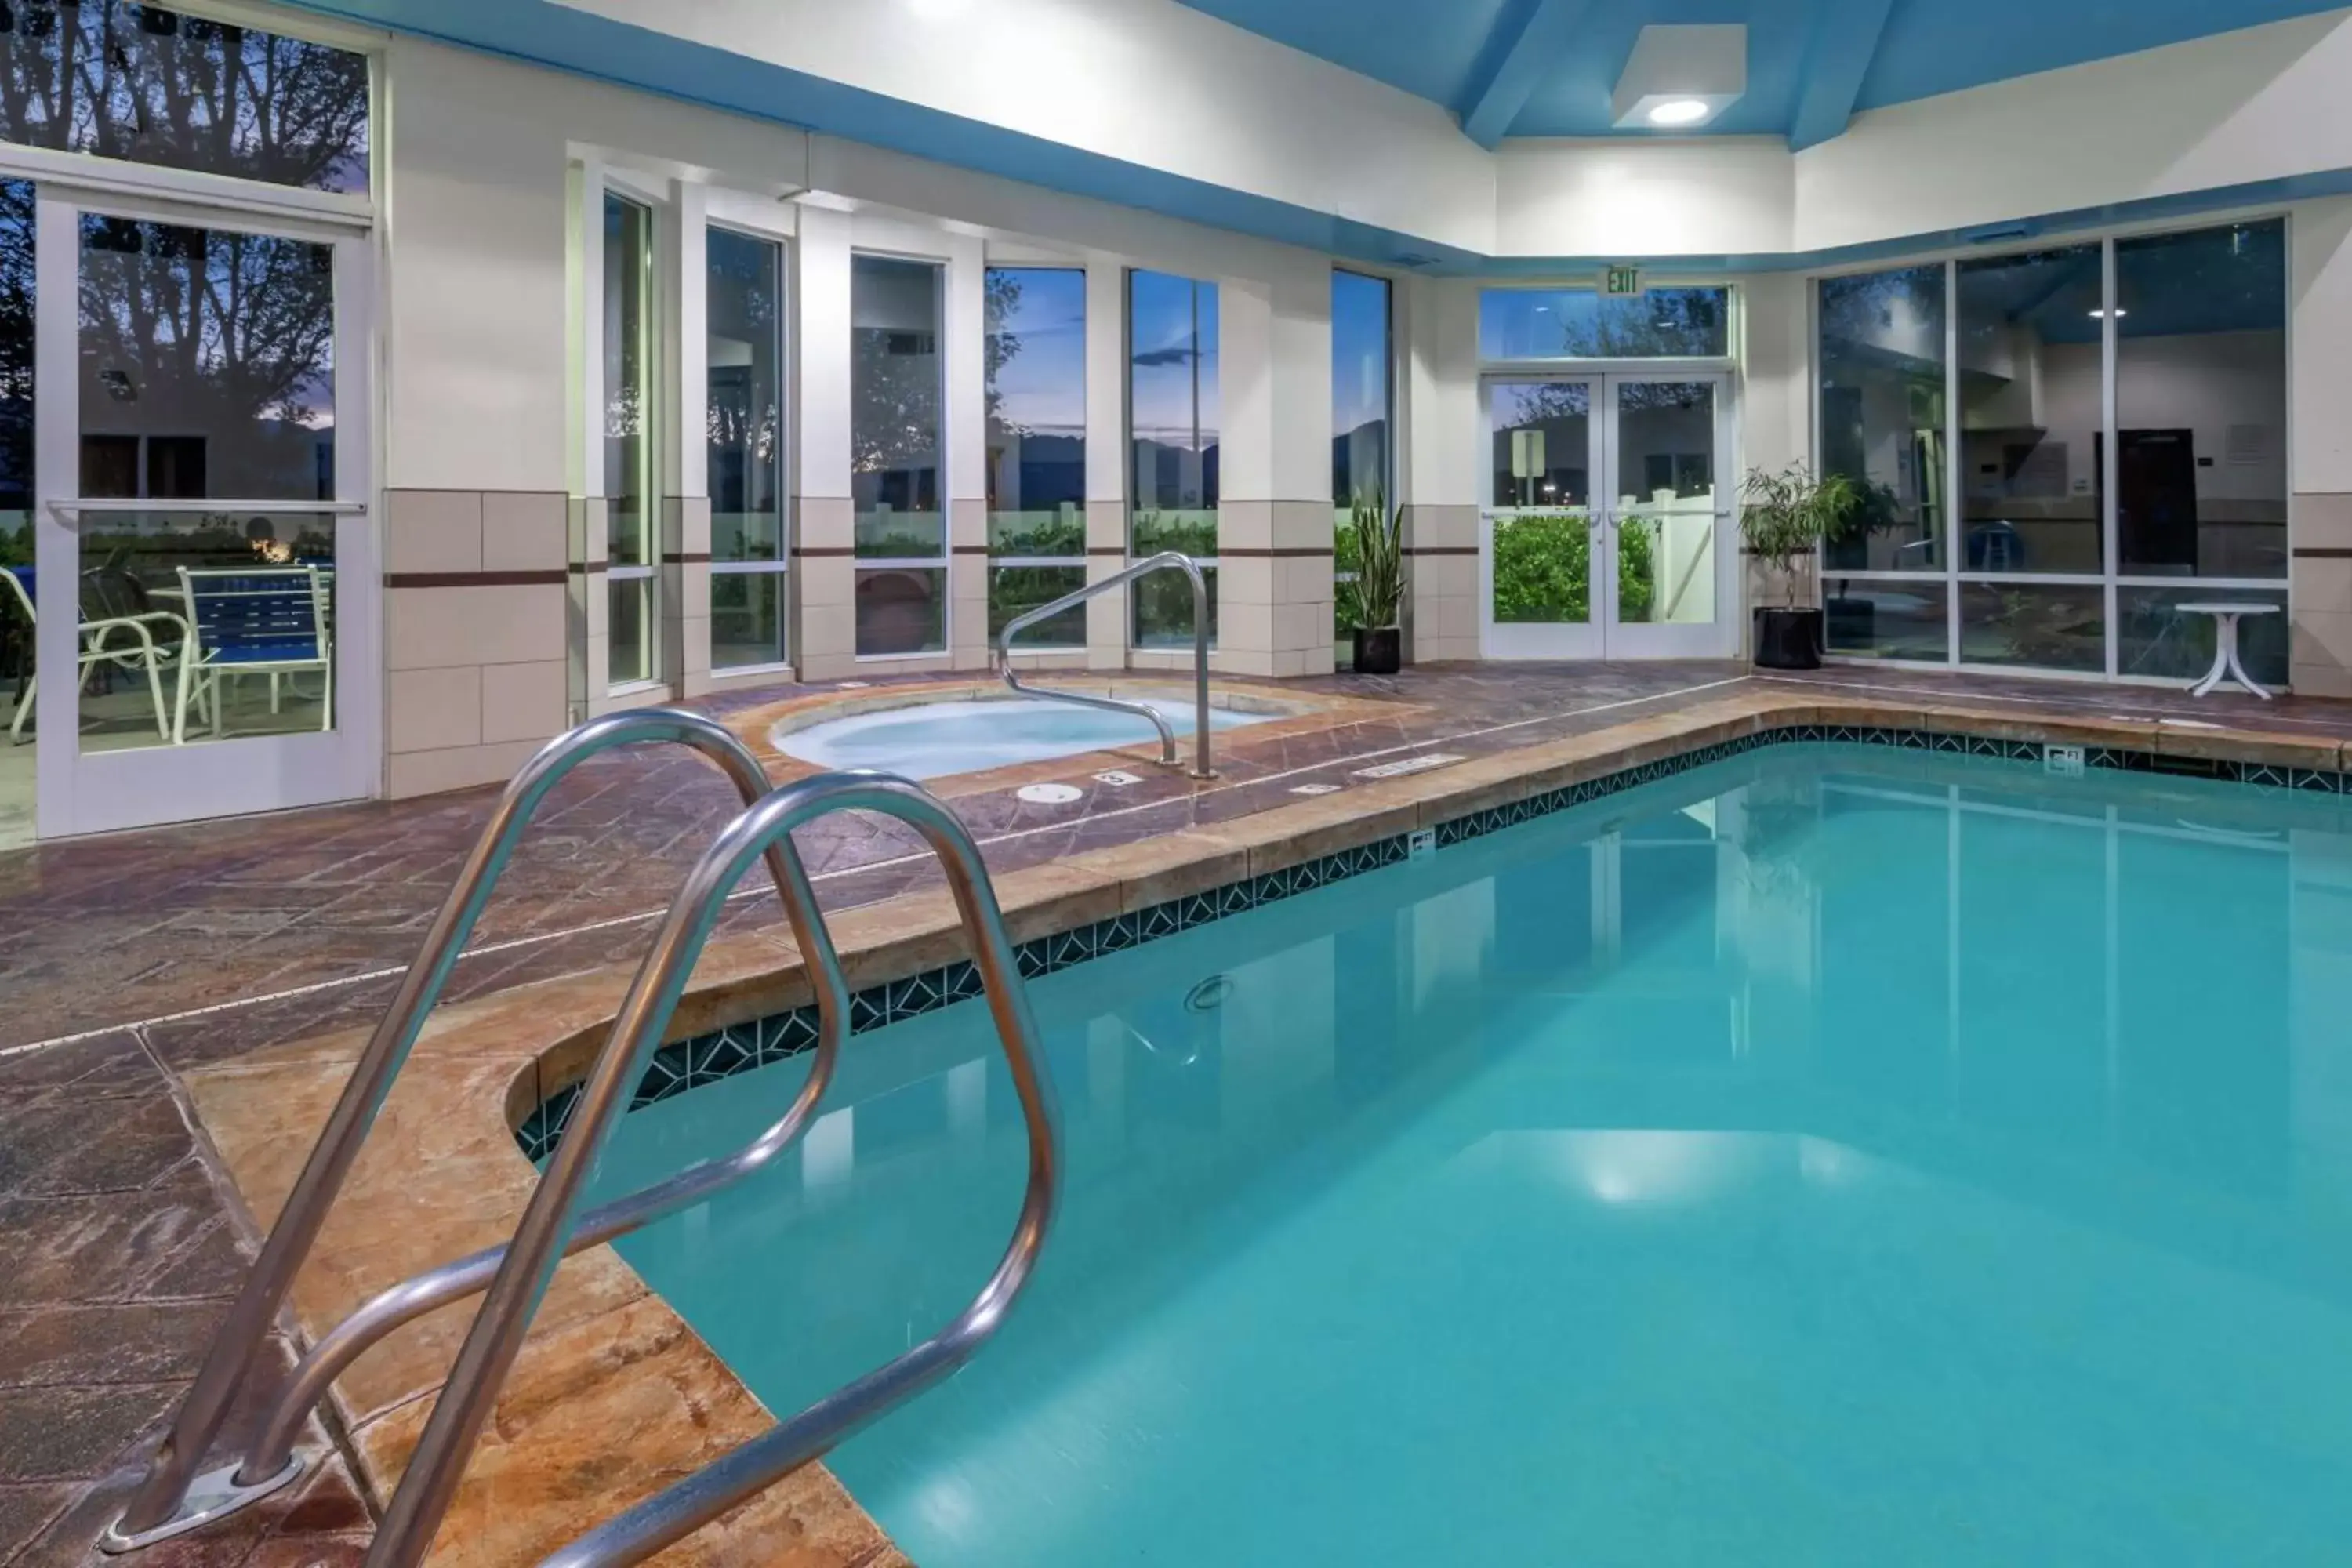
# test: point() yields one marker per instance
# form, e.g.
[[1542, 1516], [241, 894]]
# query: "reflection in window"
[[2154, 637], [629, 455], [1882, 413], [1665, 508], [15, 456], [2046, 626], [895, 456], [2200, 403], [1582, 323], [1888, 619], [745, 450], [138, 83], [1172, 415], [1540, 441], [2031, 411], [1360, 419], [1036, 355]]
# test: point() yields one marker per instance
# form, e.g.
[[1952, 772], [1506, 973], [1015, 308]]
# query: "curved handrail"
[[1167, 559], [497, 1335], [154, 1509], [389, 1309]]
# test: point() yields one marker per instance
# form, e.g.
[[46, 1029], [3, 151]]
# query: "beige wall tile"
[[1245, 581], [824, 523], [1303, 524], [1429, 526], [433, 709], [411, 774], [825, 580], [439, 629], [694, 644], [2322, 640], [523, 532], [2320, 680], [432, 530], [694, 594], [2323, 520], [1245, 525], [522, 701], [1106, 524], [588, 525], [691, 527], [967, 522], [828, 633]]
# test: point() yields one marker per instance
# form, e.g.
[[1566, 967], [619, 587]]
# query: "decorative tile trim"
[[707, 1058]]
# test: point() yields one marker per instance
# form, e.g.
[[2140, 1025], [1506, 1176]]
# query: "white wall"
[[1149, 82], [1717, 196]]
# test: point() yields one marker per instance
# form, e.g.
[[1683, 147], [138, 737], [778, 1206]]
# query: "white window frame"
[[943, 564], [599, 180], [2111, 579], [80, 793], [769, 223]]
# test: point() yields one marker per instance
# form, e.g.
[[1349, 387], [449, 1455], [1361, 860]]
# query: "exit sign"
[[1619, 281]]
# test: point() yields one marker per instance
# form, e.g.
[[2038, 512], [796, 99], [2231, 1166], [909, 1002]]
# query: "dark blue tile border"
[[707, 1058]]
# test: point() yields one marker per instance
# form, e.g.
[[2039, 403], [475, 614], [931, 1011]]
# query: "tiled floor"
[[116, 1249]]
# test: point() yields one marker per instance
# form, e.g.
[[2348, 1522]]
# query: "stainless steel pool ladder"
[[1166, 561], [518, 1273]]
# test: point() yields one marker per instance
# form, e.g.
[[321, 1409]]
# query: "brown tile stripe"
[[1284, 552], [821, 551], [556, 575], [685, 557], [1441, 550], [2321, 553], [443, 1175], [970, 550]]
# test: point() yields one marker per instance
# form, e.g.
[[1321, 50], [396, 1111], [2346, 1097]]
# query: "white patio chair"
[[142, 642]]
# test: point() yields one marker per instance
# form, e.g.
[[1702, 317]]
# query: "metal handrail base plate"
[[213, 1495]]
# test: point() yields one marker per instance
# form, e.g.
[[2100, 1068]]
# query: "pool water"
[[938, 738], [1829, 1157]]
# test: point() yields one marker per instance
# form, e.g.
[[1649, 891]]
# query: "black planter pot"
[[1788, 639], [1381, 651]]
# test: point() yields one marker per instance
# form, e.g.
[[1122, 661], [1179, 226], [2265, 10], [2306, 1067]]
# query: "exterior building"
[[401, 384]]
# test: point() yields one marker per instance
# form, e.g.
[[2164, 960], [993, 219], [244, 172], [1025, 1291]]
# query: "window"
[[1882, 413], [138, 82], [630, 540], [2077, 533], [1582, 323], [744, 278], [894, 452], [1172, 414], [1360, 422], [1036, 401]]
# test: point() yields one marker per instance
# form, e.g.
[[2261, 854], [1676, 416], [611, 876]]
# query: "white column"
[[1441, 464], [963, 320], [2320, 404], [685, 464], [1106, 456], [822, 576]]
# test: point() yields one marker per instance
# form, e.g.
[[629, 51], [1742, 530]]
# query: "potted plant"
[[1379, 586], [1784, 518]]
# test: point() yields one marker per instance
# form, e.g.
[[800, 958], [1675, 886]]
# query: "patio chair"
[[138, 640], [272, 621]]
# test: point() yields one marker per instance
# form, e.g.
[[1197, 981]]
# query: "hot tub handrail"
[[1166, 561], [163, 1505], [491, 1344]]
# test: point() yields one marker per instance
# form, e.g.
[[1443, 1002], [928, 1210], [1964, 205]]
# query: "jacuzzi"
[[931, 739]]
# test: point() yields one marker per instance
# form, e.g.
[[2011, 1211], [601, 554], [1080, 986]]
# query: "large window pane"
[[2153, 637], [1539, 437], [138, 83], [744, 448], [1163, 609], [626, 389], [895, 381], [902, 609], [1361, 394], [1035, 358], [1016, 590], [1904, 619], [1583, 323], [16, 487], [1543, 568], [2200, 403], [1173, 411], [2031, 411], [1881, 413], [2047, 626], [1665, 516]]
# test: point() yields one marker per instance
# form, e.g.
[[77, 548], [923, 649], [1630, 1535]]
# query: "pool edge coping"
[[605, 1348]]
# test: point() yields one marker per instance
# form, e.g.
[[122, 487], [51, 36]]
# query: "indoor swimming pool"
[[1826, 1156], [935, 738]]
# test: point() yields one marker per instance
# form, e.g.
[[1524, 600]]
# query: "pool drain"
[[1209, 995]]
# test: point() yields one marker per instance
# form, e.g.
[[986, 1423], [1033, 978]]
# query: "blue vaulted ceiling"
[[1447, 50]]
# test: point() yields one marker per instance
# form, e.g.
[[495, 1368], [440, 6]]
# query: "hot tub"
[[937, 738]]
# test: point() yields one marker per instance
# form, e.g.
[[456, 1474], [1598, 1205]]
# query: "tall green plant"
[[1785, 516], [1379, 563]]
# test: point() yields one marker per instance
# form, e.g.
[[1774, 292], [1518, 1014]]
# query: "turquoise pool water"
[[937, 738], [1831, 1156]]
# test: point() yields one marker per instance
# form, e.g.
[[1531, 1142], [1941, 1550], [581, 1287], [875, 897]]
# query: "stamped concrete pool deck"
[[149, 974]]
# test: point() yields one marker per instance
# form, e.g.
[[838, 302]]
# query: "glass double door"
[[191, 577], [1608, 531]]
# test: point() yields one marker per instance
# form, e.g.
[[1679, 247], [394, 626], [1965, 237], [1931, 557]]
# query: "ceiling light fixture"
[[1679, 111], [2102, 315], [1680, 77]]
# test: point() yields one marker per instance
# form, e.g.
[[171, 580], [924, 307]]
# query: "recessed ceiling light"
[[1678, 111], [2102, 315]]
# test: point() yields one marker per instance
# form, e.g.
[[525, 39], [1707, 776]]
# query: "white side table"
[[2225, 644]]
